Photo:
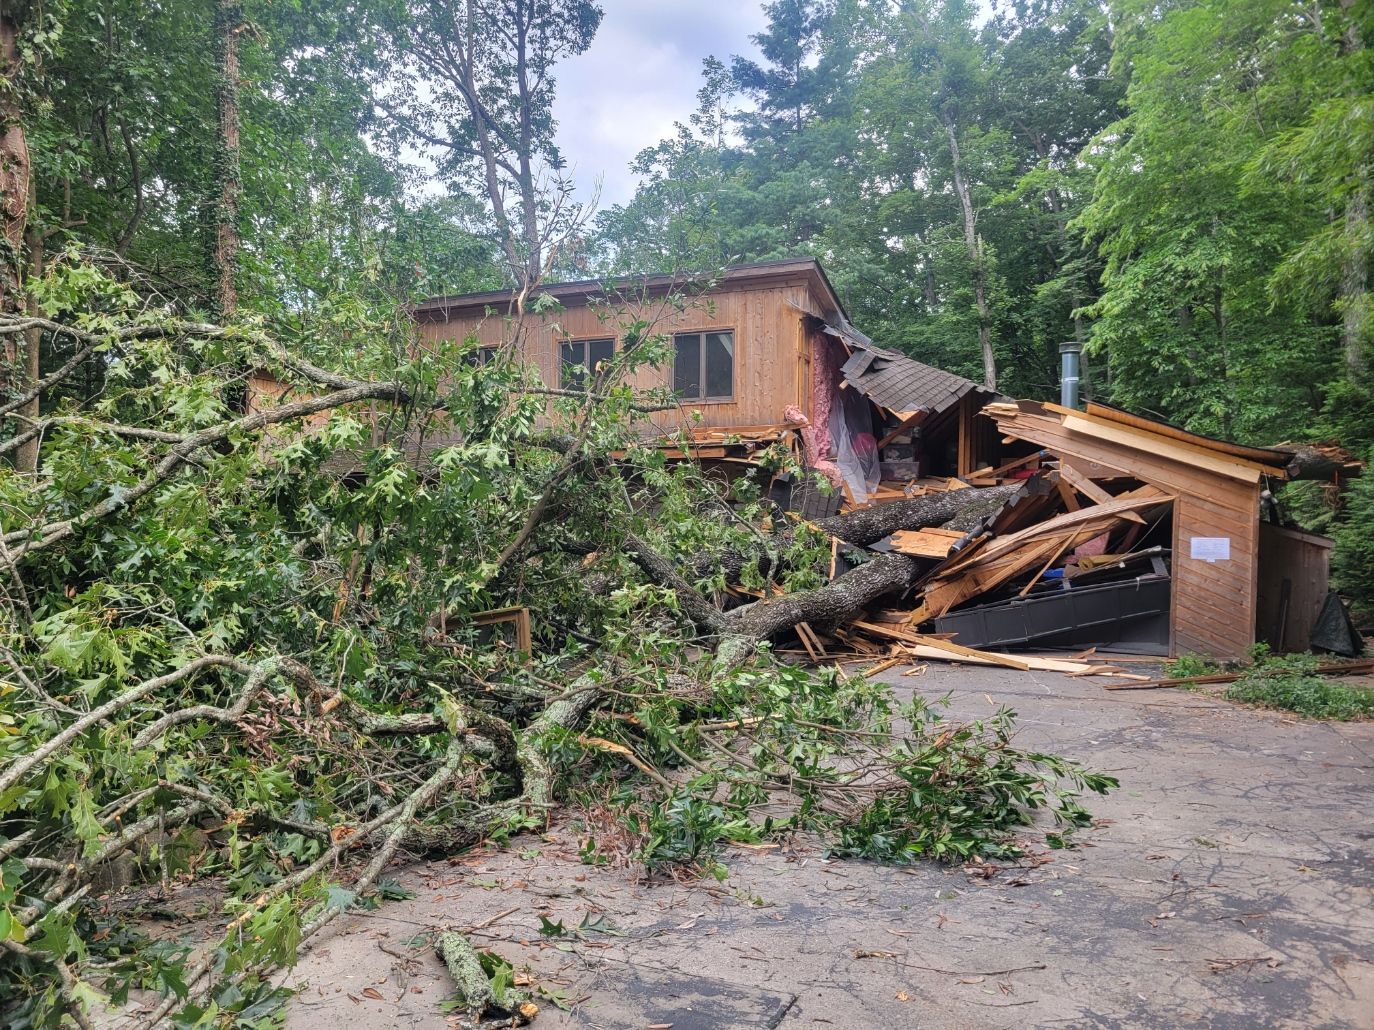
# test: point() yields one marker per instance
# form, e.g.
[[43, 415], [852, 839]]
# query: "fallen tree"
[[222, 659]]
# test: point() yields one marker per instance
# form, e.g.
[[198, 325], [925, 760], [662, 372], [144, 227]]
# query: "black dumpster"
[[1129, 615]]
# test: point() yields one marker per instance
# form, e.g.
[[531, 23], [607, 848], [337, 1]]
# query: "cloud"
[[640, 75]]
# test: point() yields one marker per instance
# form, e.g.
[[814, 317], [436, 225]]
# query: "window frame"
[[702, 333], [587, 370], [481, 355]]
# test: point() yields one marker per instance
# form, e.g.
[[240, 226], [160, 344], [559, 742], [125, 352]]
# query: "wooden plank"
[[1059, 551], [970, 652], [1016, 463], [1085, 486], [1048, 432], [967, 458], [925, 543], [1033, 662], [517, 616], [1265, 457], [1153, 443], [811, 642], [1328, 669], [907, 422]]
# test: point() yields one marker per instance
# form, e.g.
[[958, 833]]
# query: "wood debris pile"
[[1065, 531], [996, 570], [1051, 530]]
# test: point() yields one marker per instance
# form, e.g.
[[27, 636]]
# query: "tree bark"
[[20, 242], [225, 246], [830, 605], [739, 630], [975, 255], [869, 525], [26, 457], [14, 177], [1355, 267]]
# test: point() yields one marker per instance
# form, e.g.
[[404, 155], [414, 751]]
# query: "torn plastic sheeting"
[[856, 448]]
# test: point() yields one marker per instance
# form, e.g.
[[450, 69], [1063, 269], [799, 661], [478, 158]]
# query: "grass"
[[1288, 683]]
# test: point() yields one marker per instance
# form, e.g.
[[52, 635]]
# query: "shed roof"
[[1101, 430], [1276, 457]]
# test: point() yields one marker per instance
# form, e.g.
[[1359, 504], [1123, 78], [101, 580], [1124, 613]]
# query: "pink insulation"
[[827, 358]]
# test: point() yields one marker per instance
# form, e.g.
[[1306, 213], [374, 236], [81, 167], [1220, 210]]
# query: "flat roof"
[[588, 289]]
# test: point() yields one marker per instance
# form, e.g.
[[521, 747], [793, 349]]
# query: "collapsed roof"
[[896, 382]]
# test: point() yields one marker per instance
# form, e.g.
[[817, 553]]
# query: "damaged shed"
[[1213, 529]]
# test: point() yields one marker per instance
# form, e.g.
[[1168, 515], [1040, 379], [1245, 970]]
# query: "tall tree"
[[14, 163], [1189, 317], [229, 26], [785, 86], [488, 66]]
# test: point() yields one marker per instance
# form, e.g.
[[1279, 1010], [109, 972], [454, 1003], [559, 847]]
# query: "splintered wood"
[[1063, 516]]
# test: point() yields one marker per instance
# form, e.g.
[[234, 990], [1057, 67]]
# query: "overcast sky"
[[641, 75]]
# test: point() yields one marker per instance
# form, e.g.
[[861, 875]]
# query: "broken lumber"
[[1328, 669], [1031, 662], [966, 575], [926, 543]]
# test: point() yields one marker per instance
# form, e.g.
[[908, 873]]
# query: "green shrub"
[[1290, 683]]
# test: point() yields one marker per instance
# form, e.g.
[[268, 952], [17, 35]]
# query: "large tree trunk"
[[26, 458], [839, 601], [14, 175], [957, 509], [225, 246], [20, 370], [975, 255], [1355, 267], [869, 525], [830, 605], [1355, 282]]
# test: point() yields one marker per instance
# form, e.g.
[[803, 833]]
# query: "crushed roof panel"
[[897, 382]]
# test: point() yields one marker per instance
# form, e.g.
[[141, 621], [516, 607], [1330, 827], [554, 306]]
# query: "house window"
[[479, 356], [704, 366], [578, 361]]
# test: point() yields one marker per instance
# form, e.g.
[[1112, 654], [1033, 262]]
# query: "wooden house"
[[765, 354], [762, 353]]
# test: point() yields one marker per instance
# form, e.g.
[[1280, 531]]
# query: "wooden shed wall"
[[1214, 602], [771, 369], [1303, 561]]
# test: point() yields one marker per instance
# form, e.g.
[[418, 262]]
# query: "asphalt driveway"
[[1229, 883]]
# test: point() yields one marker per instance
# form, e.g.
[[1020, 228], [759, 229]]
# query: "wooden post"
[[968, 450]]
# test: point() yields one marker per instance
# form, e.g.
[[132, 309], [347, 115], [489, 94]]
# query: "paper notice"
[[1211, 548]]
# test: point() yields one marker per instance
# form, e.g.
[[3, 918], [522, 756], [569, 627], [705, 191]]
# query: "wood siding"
[[770, 345], [1213, 603], [1302, 561]]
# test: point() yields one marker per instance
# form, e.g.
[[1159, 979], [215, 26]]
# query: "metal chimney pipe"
[[1069, 367]]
